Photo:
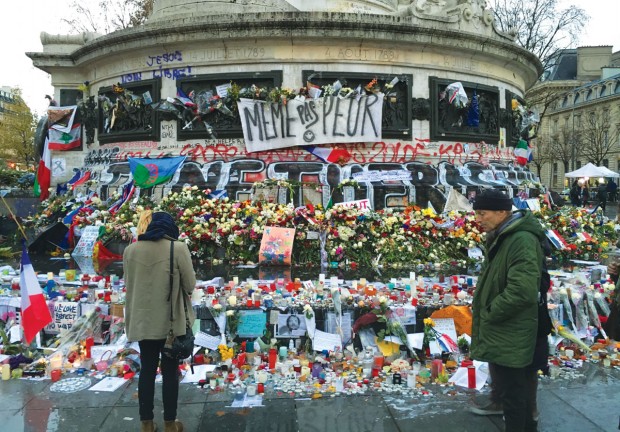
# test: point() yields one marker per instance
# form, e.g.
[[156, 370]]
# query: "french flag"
[[83, 179], [330, 154], [35, 314]]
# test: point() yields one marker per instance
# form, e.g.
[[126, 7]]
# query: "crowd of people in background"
[[581, 196]]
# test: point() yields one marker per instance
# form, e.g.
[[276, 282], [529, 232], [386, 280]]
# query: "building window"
[[578, 164], [606, 163], [554, 174]]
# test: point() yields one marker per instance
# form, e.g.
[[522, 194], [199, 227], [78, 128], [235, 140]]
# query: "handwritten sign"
[[446, 326], [65, 314], [206, 340], [326, 341], [251, 324], [363, 204], [268, 126], [376, 176], [86, 245]]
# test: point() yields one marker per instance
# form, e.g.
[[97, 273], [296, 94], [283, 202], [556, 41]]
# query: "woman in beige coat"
[[147, 311]]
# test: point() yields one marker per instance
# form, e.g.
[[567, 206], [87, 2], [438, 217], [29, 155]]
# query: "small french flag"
[[556, 239], [330, 154]]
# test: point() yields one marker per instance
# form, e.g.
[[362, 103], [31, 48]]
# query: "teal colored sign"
[[251, 324]]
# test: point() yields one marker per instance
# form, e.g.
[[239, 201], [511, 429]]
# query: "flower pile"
[[220, 230]]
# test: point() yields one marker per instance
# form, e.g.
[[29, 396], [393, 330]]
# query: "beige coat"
[[147, 279]]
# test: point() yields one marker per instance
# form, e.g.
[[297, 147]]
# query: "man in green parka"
[[505, 305]]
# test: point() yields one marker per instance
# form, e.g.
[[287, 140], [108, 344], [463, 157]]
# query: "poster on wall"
[[276, 246], [268, 126]]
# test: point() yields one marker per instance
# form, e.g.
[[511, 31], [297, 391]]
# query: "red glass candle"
[[256, 303], [250, 302], [260, 387], [471, 377], [199, 359], [273, 355], [375, 372], [90, 341]]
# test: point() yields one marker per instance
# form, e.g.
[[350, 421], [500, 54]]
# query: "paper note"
[[200, 373], [326, 341], [97, 351], [415, 340], [251, 324], [206, 340], [109, 384], [446, 326], [388, 348], [460, 377]]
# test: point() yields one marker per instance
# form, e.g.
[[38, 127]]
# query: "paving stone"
[[274, 416], [127, 418], [343, 414]]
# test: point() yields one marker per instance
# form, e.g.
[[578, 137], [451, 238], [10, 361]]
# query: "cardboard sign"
[[251, 323], [65, 314], [276, 246], [268, 126], [86, 245]]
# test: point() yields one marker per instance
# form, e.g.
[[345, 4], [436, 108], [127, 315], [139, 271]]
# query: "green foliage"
[[17, 129]]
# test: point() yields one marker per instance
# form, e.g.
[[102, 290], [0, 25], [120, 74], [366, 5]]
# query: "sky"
[[24, 20]]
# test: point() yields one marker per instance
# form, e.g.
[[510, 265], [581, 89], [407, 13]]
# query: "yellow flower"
[[429, 322]]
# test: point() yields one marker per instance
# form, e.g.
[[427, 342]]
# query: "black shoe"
[[491, 408]]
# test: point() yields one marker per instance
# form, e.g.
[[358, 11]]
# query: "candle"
[[411, 379], [55, 374], [235, 280], [411, 278], [334, 281], [50, 275], [6, 372], [321, 277], [471, 377], [251, 390], [262, 377], [232, 301], [283, 352], [305, 371]]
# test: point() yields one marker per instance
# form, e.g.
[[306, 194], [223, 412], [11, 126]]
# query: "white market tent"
[[591, 170], [609, 173]]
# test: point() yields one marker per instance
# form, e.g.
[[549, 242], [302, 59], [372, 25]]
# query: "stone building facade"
[[415, 49], [582, 121]]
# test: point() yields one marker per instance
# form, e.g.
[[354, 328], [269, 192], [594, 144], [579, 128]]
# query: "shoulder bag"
[[178, 347]]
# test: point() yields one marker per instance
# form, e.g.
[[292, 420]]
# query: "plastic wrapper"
[[602, 304], [456, 95], [567, 308]]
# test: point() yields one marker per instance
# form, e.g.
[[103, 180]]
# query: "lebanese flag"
[[60, 140], [43, 179], [330, 154], [35, 314]]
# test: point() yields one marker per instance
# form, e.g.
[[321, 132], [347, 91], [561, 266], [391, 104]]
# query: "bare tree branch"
[[540, 27], [106, 16]]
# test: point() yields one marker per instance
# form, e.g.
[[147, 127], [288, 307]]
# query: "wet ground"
[[588, 402]]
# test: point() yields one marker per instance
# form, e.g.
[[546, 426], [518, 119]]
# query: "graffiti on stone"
[[227, 166]]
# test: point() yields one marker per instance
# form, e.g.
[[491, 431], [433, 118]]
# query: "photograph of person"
[[291, 325]]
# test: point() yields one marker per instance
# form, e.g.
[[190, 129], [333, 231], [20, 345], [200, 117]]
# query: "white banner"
[[331, 119]]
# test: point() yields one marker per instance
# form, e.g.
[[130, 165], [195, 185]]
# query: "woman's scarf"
[[162, 225]]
